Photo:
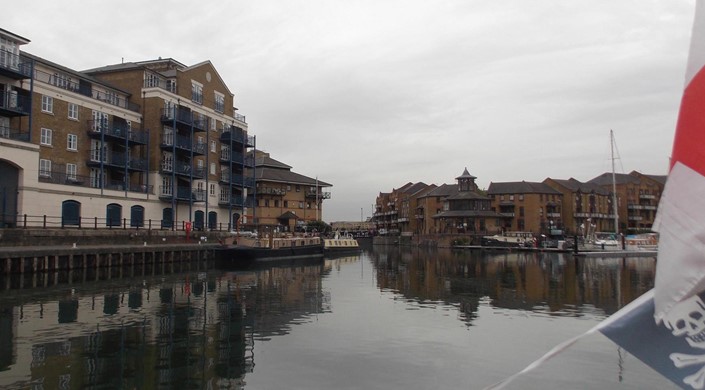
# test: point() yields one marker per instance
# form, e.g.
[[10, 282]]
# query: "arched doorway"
[[8, 194], [137, 216], [198, 220], [113, 215], [212, 220], [167, 218], [70, 213]]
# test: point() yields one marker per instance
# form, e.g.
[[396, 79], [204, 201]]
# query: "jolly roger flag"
[[674, 347]]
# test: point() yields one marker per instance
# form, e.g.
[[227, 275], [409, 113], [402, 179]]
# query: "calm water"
[[385, 319]]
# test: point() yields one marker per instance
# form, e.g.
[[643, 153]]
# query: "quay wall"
[[38, 259], [81, 237]]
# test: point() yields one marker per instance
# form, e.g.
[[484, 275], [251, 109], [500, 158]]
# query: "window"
[[212, 189], [73, 111], [511, 197], [61, 80], [219, 102], [199, 163], [301, 205], [276, 203], [212, 168], [47, 104], [151, 80], [286, 204], [171, 85], [44, 168], [298, 189], [72, 142], [71, 172], [45, 137], [213, 146], [266, 203], [196, 92], [521, 196]]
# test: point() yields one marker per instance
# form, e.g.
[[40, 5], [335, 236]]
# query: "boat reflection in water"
[[382, 314]]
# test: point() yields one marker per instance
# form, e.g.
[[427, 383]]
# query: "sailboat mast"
[[614, 186]]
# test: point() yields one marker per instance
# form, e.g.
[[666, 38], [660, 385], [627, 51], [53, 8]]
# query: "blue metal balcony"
[[183, 143], [116, 131], [15, 66], [15, 103], [184, 118], [182, 193], [116, 160]]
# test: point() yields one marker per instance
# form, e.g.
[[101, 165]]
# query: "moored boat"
[[344, 243], [510, 239], [246, 251]]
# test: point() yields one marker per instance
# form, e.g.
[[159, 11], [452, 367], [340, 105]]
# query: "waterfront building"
[[586, 207], [286, 198], [638, 194], [409, 220], [527, 206], [150, 144], [468, 210], [430, 204]]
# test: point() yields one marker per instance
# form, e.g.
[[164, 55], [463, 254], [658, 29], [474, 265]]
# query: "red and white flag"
[[680, 271], [665, 328]]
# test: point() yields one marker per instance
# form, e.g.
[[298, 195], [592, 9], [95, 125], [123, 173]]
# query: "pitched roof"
[[444, 190], [521, 187], [286, 176], [575, 186], [461, 195], [466, 175], [619, 178]]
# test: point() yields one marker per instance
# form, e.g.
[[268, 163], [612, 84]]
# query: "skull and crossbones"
[[687, 319]]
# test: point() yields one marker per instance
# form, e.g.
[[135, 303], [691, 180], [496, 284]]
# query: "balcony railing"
[[647, 196], [14, 65], [271, 191], [183, 142], [118, 160], [184, 116], [229, 200], [10, 133], [67, 83], [86, 181], [183, 193], [14, 103], [117, 130], [317, 194], [183, 168]]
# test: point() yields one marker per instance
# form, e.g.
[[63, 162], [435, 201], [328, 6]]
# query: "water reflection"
[[198, 328], [553, 283]]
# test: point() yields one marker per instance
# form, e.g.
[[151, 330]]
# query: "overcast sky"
[[371, 94]]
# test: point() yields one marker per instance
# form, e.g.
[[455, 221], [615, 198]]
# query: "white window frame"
[[212, 168], [196, 92], [45, 138], [219, 105], [73, 111], [213, 147], [212, 189], [47, 104], [44, 168], [72, 142], [71, 170]]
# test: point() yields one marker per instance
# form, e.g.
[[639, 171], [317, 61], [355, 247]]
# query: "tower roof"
[[465, 175]]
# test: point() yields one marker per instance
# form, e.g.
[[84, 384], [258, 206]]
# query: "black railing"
[[28, 221], [86, 181], [10, 133], [15, 63]]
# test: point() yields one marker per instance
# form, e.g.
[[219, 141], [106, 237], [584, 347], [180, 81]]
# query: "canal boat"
[[510, 239], [243, 252], [340, 243]]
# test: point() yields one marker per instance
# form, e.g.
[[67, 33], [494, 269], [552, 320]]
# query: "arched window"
[[136, 216], [113, 214], [70, 213]]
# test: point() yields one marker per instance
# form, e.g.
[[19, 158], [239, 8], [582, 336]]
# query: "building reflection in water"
[[185, 330], [550, 283], [198, 328]]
